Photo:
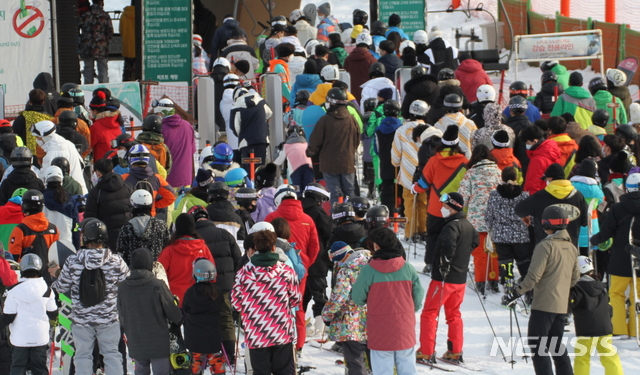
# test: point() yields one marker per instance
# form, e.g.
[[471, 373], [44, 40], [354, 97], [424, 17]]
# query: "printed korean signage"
[[558, 47], [411, 13], [166, 45]]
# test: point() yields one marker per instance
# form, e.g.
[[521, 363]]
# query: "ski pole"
[[487, 315], [515, 315], [414, 225], [486, 278], [53, 350], [511, 312]]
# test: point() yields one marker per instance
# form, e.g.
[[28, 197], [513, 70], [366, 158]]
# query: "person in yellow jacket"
[[329, 74], [128, 33]]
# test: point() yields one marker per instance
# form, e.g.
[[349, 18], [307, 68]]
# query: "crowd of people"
[[181, 256]]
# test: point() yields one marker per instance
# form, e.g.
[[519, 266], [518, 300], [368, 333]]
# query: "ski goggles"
[[446, 198]]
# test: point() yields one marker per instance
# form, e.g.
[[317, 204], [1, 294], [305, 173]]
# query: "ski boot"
[[216, 364], [494, 287], [429, 359], [453, 357], [480, 286]]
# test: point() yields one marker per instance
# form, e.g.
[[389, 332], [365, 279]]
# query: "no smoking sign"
[[28, 23]]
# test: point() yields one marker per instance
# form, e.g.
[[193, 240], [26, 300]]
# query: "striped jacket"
[[404, 153], [466, 129]]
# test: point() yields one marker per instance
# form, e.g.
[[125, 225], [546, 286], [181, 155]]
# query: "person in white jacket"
[[54, 145], [229, 82], [305, 30], [377, 81], [29, 306]]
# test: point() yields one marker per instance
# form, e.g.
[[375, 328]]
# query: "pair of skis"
[[447, 362]]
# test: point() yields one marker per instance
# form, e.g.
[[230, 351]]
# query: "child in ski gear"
[[283, 231], [10, 216], [391, 289], [455, 243], [197, 196], [504, 153], [246, 198], [347, 321], [591, 315], [585, 182], [145, 304], [541, 153], [35, 226], [346, 229], [293, 150]]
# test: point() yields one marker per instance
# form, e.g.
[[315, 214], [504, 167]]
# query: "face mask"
[[122, 154], [94, 178], [445, 212], [529, 147]]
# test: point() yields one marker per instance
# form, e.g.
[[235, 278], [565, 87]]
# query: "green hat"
[[19, 192]]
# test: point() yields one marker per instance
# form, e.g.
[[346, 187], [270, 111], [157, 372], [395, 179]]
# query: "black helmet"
[[68, 118], [628, 132], [360, 17], [218, 190], [445, 74], [370, 104], [452, 102], [316, 191], [548, 65], [198, 212], [125, 140], [600, 117], [418, 71], [302, 97], [62, 163], [518, 88], [378, 28], [548, 76], [245, 196], [360, 205], [76, 94], [343, 212], [596, 84], [337, 96], [377, 69], [68, 86], [152, 123], [518, 104], [94, 231], [378, 217], [32, 201], [391, 108], [554, 217], [21, 157]]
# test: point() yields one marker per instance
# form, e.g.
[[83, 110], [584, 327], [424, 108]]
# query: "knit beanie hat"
[[554, 172], [634, 113], [99, 101], [620, 164], [285, 49], [386, 93], [429, 132], [310, 67], [185, 225], [266, 175], [243, 66], [141, 259], [500, 139], [357, 29], [339, 250], [394, 20], [325, 9], [492, 115], [450, 136], [455, 201], [588, 168], [435, 33], [204, 177], [575, 79]]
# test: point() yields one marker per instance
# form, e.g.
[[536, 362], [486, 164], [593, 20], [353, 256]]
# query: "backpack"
[[93, 288], [39, 245], [145, 184]]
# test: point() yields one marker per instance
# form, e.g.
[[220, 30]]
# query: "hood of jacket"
[[8, 142], [129, 12], [449, 82], [231, 24], [172, 121], [547, 149], [388, 125], [339, 113], [31, 289], [150, 137], [248, 100], [470, 66], [549, 88], [139, 277], [590, 286], [422, 86], [585, 180], [22, 176], [108, 119], [631, 202], [283, 244], [308, 80], [387, 265], [111, 182], [44, 82], [359, 54], [560, 189], [577, 92], [509, 191], [379, 83], [452, 161], [93, 258], [561, 235], [37, 222], [140, 224], [266, 260], [291, 209], [189, 246], [356, 260], [141, 173], [603, 96]]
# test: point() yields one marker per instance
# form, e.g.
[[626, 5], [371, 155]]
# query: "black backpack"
[[93, 287], [39, 245]]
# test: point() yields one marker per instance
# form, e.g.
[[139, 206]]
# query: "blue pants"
[[404, 361], [340, 184]]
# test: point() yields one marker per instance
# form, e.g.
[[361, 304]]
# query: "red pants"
[[451, 300], [301, 317], [480, 262]]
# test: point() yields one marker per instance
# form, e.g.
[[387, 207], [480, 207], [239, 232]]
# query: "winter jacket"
[[617, 225], [224, 216], [547, 96], [303, 229], [336, 133], [404, 153], [341, 55], [31, 115], [281, 67], [568, 148], [179, 137], [348, 320], [224, 250], [540, 158], [163, 194], [603, 99], [319, 96], [249, 117], [562, 194], [97, 31], [78, 140], [440, 54], [442, 174], [202, 329], [391, 63], [592, 192], [239, 50], [371, 87], [476, 113], [8, 276], [310, 206], [142, 231], [71, 186], [63, 215], [484, 135], [391, 290], [420, 88], [438, 110], [305, 31], [382, 144], [57, 146], [32, 304], [578, 102], [502, 223], [293, 259], [104, 130], [19, 178], [454, 245], [466, 128], [127, 28], [398, 30], [576, 132], [591, 309], [265, 294], [475, 187], [622, 93], [562, 74], [10, 216], [307, 82], [115, 271], [81, 128], [223, 34], [218, 73], [44, 82], [553, 271], [177, 259], [110, 202], [296, 67], [145, 304], [9, 141], [37, 223], [327, 26], [350, 233], [155, 143], [377, 39], [471, 76], [357, 64], [532, 113], [185, 203], [265, 204]]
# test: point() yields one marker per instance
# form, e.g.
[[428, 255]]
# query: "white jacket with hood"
[[55, 146]]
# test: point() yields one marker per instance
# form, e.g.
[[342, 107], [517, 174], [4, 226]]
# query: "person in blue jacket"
[[308, 80], [394, 25], [520, 88]]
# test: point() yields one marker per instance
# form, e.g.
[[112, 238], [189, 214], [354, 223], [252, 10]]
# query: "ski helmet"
[[284, 192], [360, 205], [140, 198], [360, 17], [342, 213], [378, 217], [260, 226], [62, 163], [21, 157], [452, 103], [239, 91], [554, 217], [236, 177], [596, 84], [310, 46], [600, 117], [330, 73], [30, 261], [628, 132], [245, 197], [486, 93], [418, 71], [138, 154], [77, 95], [222, 61], [617, 77], [218, 191], [316, 191], [32, 201], [204, 271], [43, 128], [53, 174], [336, 97], [94, 231], [295, 16], [547, 76], [518, 104], [222, 153], [445, 74], [391, 108], [230, 80], [548, 65], [123, 140], [68, 119], [518, 88], [378, 28], [376, 70], [370, 104], [152, 123], [420, 37], [406, 44], [68, 86], [164, 106], [632, 183], [419, 108], [198, 212], [364, 38], [585, 264], [302, 97], [279, 20]]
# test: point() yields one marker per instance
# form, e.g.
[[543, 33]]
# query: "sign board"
[[25, 46], [411, 13], [166, 40], [129, 95], [551, 47]]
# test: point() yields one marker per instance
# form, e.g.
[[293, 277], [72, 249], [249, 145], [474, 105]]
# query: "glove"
[[413, 188], [444, 269], [510, 297]]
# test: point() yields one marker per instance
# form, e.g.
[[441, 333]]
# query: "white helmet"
[[617, 76], [222, 61], [330, 73], [364, 38], [486, 93], [231, 79], [205, 153], [405, 44], [295, 15], [239, 91], [633, 182], [164, 106], [141, 197], [310, 46], [284, 191], [419, 108], [585, 264], [260, 226], [53, 173], [43, 128], [421, 37]]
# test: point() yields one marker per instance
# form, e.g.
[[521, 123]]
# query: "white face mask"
[[529, 147], [445, 212], [122, 154], [94, 178]]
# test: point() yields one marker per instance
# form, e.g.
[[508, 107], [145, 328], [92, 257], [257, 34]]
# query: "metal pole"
[[274, 100], [54, 35]]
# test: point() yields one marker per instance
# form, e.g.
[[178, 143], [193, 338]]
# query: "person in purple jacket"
[[179, 136]]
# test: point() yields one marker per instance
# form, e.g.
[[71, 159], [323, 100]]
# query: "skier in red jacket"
[[471, 76]]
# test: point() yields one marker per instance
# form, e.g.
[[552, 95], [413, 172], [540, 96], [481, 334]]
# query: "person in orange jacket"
[[10, 216], [504, 154], [34, 223], [568, 147]]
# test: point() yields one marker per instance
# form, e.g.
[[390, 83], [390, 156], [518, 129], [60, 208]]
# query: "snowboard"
[[64, 337], [311, 13], [629, 67], [176, 346]]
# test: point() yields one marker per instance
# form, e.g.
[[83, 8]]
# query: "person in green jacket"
[[604, 100], [576, 101], [197, 196], [336, 46], [559, 69], [374, 121]]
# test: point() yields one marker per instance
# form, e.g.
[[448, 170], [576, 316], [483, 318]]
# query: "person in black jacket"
[[222, 213], [247, 199], [421, 86], [227, 255], [388, 58], [384, 134], [229, 27], [67, 123], [110, 200], [548, 94], [346, 229], [449, 276], [440, 54], [21, 177], [44, 82], [145, 304], [448, 85]]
